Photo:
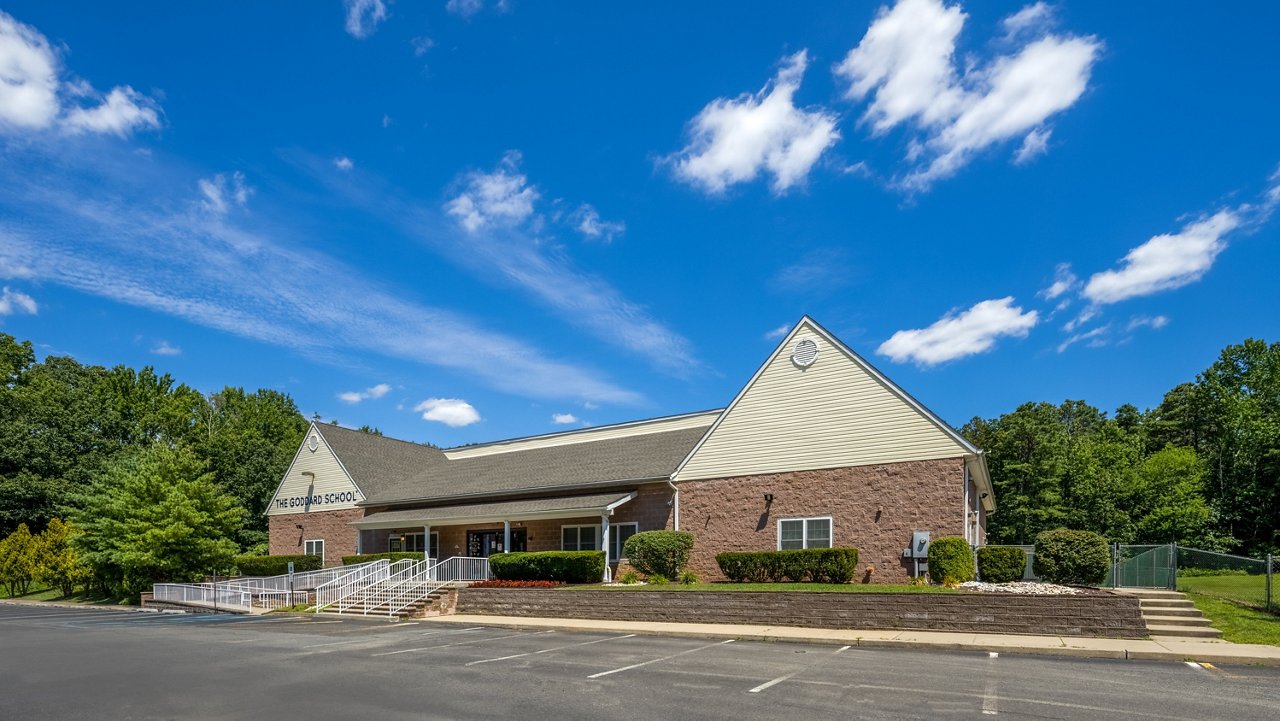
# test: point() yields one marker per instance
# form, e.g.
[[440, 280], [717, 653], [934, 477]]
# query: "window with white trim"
[[796, 533], [587, 538], [411, 542], [314, 548]]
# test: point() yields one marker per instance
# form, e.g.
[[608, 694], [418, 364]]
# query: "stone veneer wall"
[[873, 508], [1101, 615], [333, 526]]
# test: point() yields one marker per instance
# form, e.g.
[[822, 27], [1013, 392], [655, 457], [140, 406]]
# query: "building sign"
[[320, 499]]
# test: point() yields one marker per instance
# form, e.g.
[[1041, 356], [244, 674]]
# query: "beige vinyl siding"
[[332, 484], [830, 415], [622, 430]]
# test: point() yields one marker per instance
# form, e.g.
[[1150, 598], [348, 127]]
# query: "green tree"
[[156, 515], [1026, 457], [1169, 503], [58, 563], [18, 561]]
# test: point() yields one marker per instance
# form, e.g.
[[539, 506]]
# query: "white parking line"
[[461, 643], [657, 660], [797, 672], [69, 614], [1196, 666], [380, 638], [549, 650], [990, 704]]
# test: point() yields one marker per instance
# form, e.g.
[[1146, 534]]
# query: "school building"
[[818, 449]]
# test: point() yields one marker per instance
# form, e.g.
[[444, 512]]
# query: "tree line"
[[1201, 469]]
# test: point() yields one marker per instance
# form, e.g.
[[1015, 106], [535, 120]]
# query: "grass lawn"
[[45, 593], [1247, 589], [819, 587], [1237, 623]]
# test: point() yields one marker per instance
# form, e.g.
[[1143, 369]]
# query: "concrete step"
[[1183, 631], [1192, 611], [1164, 603], [1152, 593], [1175, 620]]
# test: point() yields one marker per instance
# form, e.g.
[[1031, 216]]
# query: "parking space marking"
[[1195, 665], [797, 672], [658, 660], [71, 614], [990, 704], [461, 643], [549, 650]]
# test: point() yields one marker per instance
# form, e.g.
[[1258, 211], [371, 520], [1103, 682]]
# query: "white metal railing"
[[462, 568], [361, 599], [412, 584], [280, 599], [205, 595], [300, 581], [352, 582]]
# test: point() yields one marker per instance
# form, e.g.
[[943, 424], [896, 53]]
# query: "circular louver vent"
[[805, 353], [313, 443]]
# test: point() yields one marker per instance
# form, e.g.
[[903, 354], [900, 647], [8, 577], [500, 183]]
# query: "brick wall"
[[333, 526], [873, 508]]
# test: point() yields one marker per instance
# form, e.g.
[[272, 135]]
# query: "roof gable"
[[316, 480]]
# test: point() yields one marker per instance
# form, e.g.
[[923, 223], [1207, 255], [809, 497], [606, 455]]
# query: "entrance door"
[[482, 544]]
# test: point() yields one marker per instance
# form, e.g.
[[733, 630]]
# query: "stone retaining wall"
[[1104, 615]]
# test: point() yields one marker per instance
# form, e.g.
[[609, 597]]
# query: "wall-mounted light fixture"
[[298, 526], [985, 495], [768, 498]]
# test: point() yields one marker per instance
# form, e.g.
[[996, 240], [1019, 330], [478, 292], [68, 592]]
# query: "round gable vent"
[[804, 353], [313, 443]]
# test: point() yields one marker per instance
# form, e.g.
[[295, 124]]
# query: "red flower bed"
[[499, 583]]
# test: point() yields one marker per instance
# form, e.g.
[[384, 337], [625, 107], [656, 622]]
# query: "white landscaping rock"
[[1027, 587]]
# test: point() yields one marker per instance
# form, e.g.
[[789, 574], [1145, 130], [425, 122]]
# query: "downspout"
[[965, 518], [675, 506]]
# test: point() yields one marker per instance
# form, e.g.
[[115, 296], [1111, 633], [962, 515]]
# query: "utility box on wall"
[[919, 544]]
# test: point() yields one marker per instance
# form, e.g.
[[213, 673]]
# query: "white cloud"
[[371, 393], [1063, 281], [452, 412], [734, 140], [343, 163], [957, 335], [165, 348], [1153, 322], [906, 63], [363, 17], [464, 8], [503, 197], [34, 96], [221, 191], [1089, 313], [1166, 261], [778, 332], [586, 220], [421, 45], [1098, 337], [816, 271], [15, 301], [1031, 18], [563, 419]]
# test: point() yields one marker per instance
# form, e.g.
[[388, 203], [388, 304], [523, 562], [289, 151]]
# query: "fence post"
[[1173, 566], [1115, 564], [1270, 561]]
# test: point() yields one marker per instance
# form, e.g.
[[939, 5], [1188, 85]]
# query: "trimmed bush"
[[819, 565], [1078, 558], [565, 566], [659, 553], [950, 560], [1001, 564], [392, 557], [277, 565]]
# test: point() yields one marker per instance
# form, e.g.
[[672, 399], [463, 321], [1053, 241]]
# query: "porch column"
[[359, 542], [426, 543], [506, 536], [604, 544]]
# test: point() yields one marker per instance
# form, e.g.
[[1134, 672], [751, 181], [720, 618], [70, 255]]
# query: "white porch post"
[[359, 542], [506, 536], [426, 543], [604, 544]]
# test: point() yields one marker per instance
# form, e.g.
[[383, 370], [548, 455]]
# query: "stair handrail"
[[360, 598], [343, 586], [411, 591]]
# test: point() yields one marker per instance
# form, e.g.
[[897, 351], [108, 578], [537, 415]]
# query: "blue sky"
[[467, 220]]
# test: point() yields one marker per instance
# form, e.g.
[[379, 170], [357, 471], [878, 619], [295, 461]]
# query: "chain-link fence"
[[1138, 566], [1245, 581]]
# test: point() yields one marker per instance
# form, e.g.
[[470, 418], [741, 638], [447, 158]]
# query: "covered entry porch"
[[481, 530]]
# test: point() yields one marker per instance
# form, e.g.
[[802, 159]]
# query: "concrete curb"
[[78, 606], [1219, 652]]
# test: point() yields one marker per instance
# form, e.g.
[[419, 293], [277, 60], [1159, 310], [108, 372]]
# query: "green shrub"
[[629, 578], [950, 560], [1001, 564], [1187, 572], [566, 566], [1079, 558], [392, 557], [657, 579], [662, 553], [819, 565], [277, 565], [689, 578]]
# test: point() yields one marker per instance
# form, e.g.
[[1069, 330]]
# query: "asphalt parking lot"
[[100, 664]]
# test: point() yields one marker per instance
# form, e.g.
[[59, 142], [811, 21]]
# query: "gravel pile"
[[1028, 587]]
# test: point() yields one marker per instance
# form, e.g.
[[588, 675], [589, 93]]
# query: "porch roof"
[[524, 510]]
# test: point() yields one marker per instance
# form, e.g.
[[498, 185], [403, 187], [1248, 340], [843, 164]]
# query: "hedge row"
[[950, 561], [820, 565], [659, 553], [393, 557], [1078, 558], [566, 566], [277, 565], [1001, 564]]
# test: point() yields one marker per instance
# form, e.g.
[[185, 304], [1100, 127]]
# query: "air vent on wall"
[[804, 353], [313, 443]]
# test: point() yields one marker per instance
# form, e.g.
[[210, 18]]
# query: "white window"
[[314, 548], [804, 533], [587, 538]]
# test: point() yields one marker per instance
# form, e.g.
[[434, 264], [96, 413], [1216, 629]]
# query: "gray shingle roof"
[[393, 471], [510, 510]]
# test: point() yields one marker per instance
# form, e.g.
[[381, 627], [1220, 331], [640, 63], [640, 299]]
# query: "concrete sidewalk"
[[1156, 649]]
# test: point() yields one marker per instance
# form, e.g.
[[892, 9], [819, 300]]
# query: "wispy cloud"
[[344, 163], [502, 197], [778, 332], [15, 301], [818, 270], [165, 348], [37, 93], [563, 419], [453, 412], [960, 333], [586, 220], [1146, 321], [221, 191], [370, 393], [1166, 261], [1096, 338], [1064, 281], [363, 17], [906, 65], [734, 140]]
